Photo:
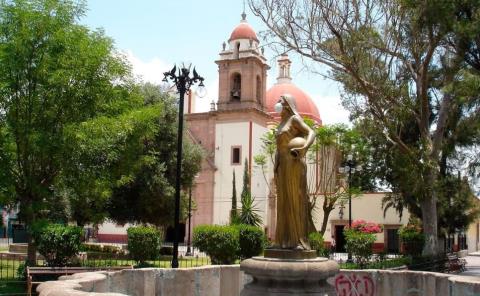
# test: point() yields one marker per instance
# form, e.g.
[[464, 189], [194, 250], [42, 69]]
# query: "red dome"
[[243, 31], [305, 105]]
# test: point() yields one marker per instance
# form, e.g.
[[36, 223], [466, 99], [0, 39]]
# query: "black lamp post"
[[182, 81], [350, 166]]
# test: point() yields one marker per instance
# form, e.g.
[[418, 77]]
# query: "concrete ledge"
[[228, 280], [220, 280]]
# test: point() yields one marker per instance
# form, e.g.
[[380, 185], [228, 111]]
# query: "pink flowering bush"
[[366, 227], [359, 240]]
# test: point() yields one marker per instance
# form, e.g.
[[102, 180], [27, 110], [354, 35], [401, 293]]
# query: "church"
[[232, 130]]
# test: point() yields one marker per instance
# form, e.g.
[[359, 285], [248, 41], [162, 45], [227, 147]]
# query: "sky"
[[156, 34]]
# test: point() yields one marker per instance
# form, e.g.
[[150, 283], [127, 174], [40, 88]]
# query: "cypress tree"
[[233, 211]]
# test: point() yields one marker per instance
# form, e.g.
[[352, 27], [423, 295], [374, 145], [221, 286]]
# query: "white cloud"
[[331, 109], [148, 71], [152, 71]]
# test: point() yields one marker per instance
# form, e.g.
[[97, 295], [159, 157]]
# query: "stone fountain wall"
[[228, 280], [220, 280]]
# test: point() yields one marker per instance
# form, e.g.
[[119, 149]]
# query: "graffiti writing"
[[354, 285]]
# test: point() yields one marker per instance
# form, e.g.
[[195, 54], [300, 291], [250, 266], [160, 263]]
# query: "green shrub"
[[166, 250], [359, 244], [251, 241], [108, 249], [221, 243], [22, 270], [316, 243], [144, 243], [59, 244], [412, 239]]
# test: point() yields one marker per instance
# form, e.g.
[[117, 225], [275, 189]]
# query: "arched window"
[[259, 89], [236, 86]]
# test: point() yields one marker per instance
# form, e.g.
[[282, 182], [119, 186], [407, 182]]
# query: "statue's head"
[[286, 105]]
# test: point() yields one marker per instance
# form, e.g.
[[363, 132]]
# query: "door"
[[339, 239], [393, 242]]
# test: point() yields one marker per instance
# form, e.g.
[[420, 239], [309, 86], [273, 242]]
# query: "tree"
[[332, 145], [124, 167], [397, 61], [233, 210], [53, 73]]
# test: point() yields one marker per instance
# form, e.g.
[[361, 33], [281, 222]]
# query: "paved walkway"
[[473, 265]]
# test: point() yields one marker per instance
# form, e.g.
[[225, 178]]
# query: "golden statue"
[[293, 138]]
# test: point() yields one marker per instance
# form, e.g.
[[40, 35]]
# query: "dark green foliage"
[[59, 244], [221, 243], [246, 181], [359, 244], [316, 243], [146, 195], [251, 241], [166, 250], [144, 243], [233, 210], [54, 73], [412, 238]]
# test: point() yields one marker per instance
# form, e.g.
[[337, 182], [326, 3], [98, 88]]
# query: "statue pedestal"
[[290, 273]]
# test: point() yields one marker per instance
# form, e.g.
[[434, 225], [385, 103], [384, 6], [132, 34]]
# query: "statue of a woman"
[[293, 139]]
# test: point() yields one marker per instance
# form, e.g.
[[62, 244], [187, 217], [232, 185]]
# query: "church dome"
[[305, 105], [243, 31]]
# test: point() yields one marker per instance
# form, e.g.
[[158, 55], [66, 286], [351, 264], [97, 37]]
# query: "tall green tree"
[[246, 181], [332, 145], [397, 61], [233, 210], [124, 167], [54, 73]]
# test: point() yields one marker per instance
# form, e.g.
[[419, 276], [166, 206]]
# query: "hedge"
[[144, 243]]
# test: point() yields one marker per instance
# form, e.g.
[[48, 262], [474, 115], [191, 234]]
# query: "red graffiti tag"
[[354, 285]]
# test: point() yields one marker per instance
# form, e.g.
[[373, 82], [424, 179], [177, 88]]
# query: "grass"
[[163, 262], [12, 288], [8, 269]]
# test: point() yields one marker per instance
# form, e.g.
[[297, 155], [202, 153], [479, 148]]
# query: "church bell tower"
[[242, 71]]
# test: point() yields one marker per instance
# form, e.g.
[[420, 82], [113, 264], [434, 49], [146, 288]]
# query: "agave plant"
[[249, 213]]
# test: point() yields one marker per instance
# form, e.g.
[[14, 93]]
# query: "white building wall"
[[364, 207], [228, 135], [259, 186], [113, 228]]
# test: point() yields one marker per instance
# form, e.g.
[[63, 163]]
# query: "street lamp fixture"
[[183, 82], [350, 166]]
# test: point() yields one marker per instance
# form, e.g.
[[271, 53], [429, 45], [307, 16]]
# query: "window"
[[236, 155], [259, 89], [236, 83]]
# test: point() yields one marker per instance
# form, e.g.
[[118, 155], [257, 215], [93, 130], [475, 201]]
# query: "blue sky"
[[155, 34]]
